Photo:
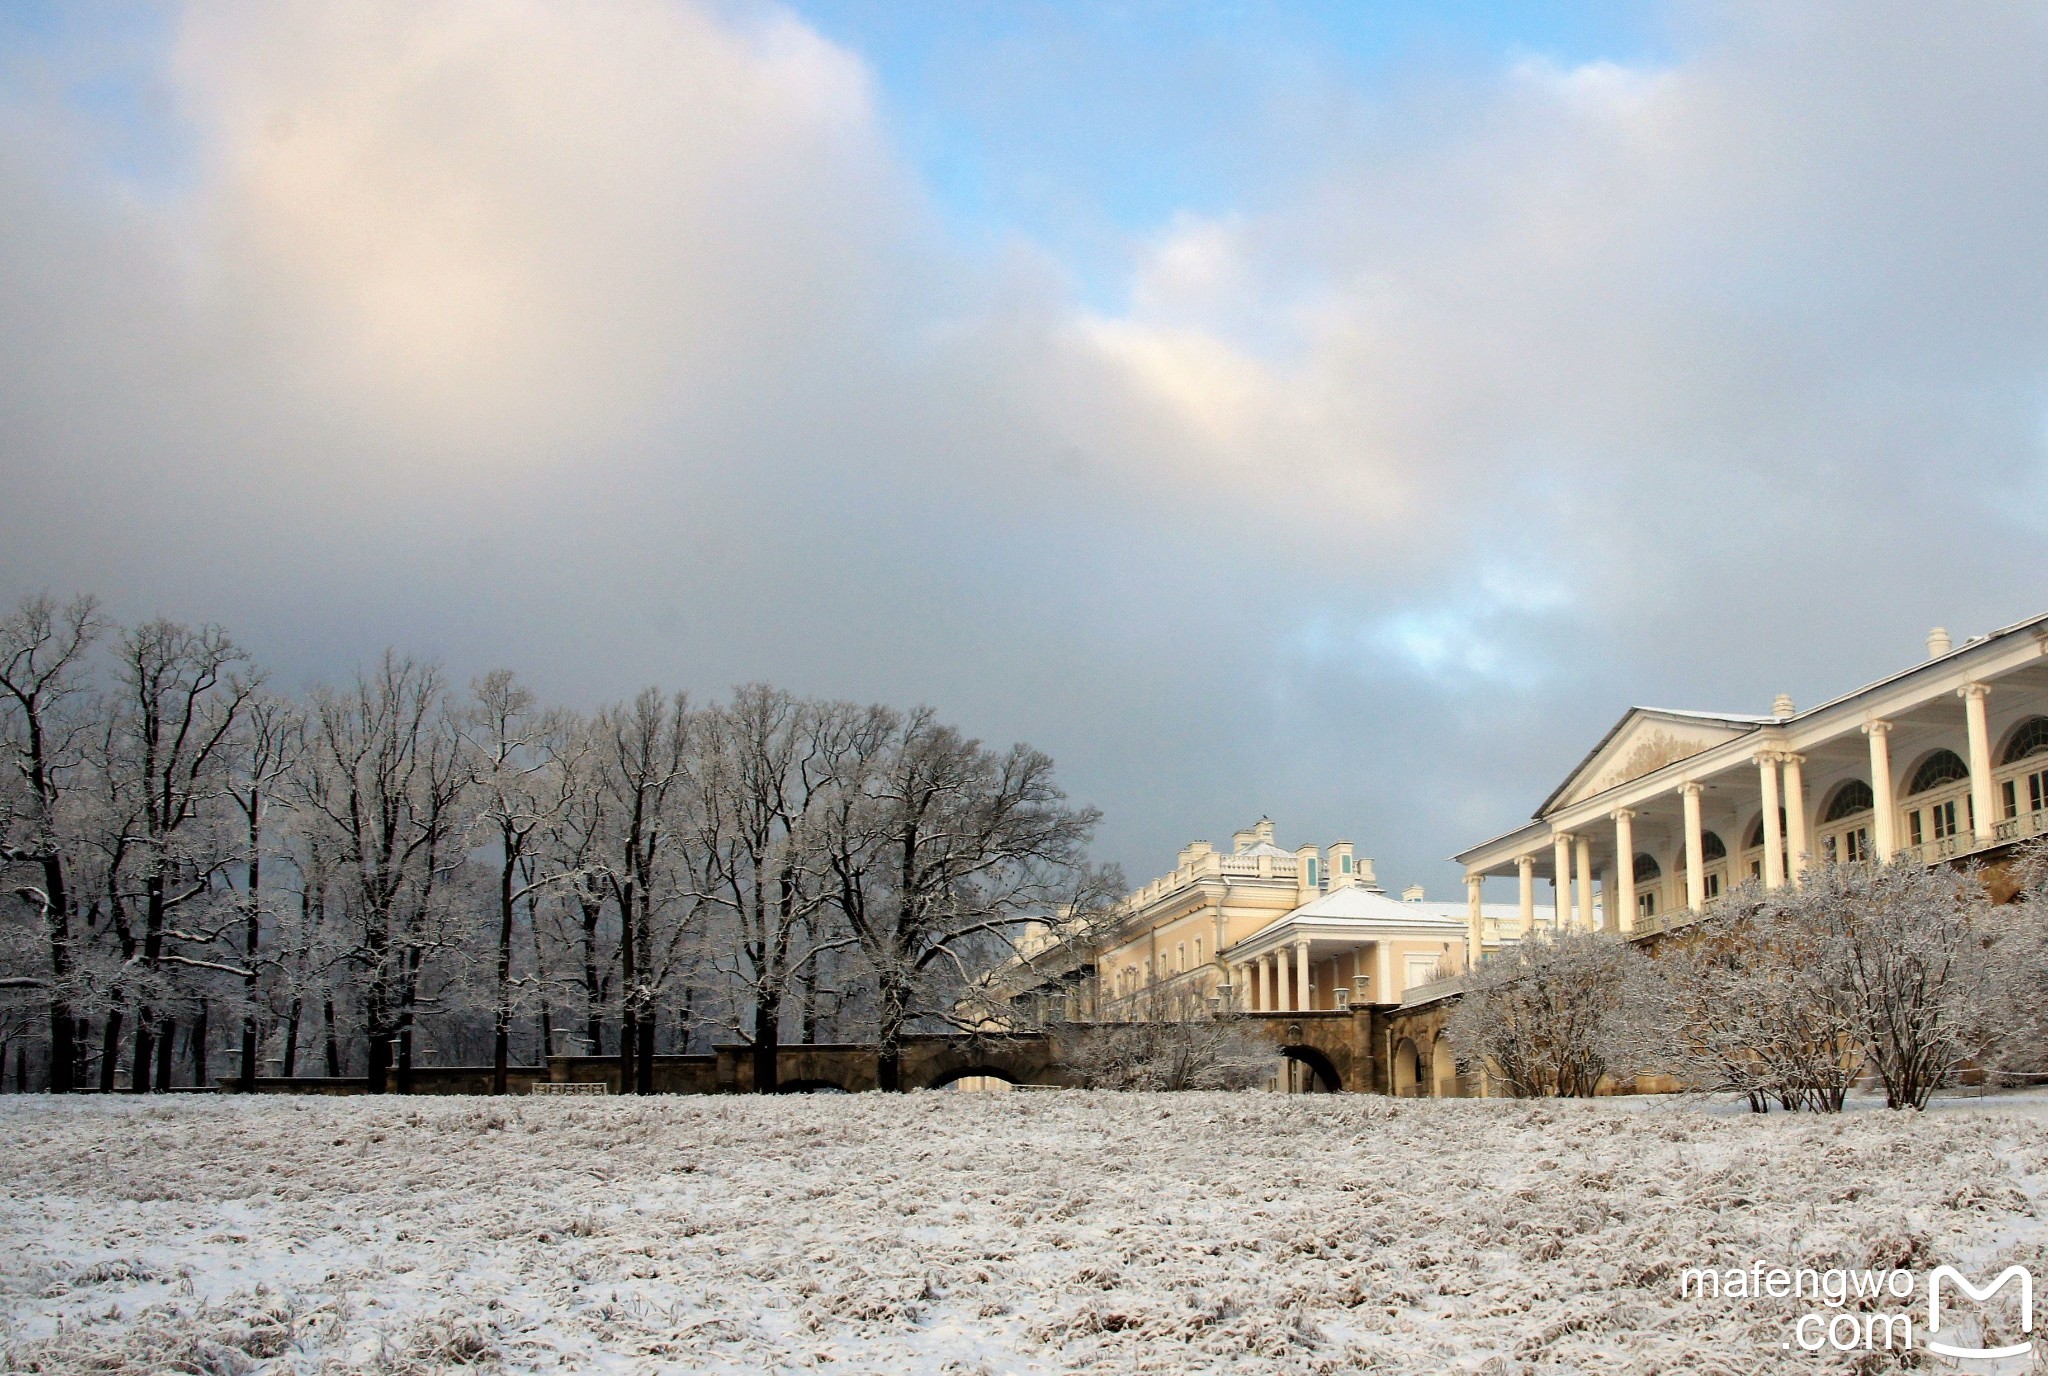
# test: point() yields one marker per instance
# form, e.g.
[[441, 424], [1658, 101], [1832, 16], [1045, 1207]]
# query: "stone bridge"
[[929, 1062]]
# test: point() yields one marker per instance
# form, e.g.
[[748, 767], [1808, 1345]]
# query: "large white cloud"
[[617, 341]]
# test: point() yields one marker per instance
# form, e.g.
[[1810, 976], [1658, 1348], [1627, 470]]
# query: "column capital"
[[1525, 861], [1877, 727], [1692, 788], [1473, 881], [1791, 757], [1766, 759], [1624, 814], [1562, 838], [1974, 690]]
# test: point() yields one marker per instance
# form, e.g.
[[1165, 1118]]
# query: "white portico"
[[1944, 759]]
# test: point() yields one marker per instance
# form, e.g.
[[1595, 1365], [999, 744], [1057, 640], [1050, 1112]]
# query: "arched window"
[[1851, 798], [1711, 846], [2030, 738], [1648, 868], [1942, 767], [1756, 831]]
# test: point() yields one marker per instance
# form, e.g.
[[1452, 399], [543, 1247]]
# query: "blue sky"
[[1083, 127]]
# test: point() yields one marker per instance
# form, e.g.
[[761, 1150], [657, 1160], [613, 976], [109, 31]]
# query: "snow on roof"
[[1266, 848]]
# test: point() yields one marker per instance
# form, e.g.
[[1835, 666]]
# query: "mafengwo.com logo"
[[1885, 1311]]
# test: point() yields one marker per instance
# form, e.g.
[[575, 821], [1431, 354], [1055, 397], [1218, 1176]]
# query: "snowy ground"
[[967, 1232]]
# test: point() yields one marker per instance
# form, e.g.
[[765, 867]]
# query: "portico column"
[[1561, 880], [1301, 989], [1884, 812], [1624, 897], [1475, 919], [1279, 968], [1585, 869], [1796, 844], [1774, 839], [1695, 849], [1986, 819], [1525, 868]]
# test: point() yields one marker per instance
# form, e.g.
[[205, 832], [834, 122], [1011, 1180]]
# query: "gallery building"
[[1945, 759], [1257, 928]]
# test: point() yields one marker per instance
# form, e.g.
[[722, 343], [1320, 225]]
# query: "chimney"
[[1263, 829], [1412, 894], [1782, 708], [1242, 841], [1938, 643], [1342, 875], [1308, 873], [1361, 870]]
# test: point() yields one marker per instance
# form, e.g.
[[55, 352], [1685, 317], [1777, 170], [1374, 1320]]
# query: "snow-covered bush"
[[1545, 1018], [1743, 1002]]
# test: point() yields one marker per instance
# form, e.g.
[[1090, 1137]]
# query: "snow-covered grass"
[[966, 1232]]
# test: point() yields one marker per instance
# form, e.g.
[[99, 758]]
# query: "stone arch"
[[1407, 1069], [1443, 1069], [946, 1077], [1323, 1076]]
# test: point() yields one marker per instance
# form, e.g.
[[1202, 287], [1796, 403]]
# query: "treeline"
[[205, 876], [1909, 976]]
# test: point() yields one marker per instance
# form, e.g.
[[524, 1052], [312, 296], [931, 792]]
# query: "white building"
[[1944, 759]]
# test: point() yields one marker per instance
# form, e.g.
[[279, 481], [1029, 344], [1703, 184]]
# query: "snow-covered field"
[[967, 1232]]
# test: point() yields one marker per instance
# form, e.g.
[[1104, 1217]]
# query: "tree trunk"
[[110, 1047], [252, 941], [643, 1082], [21, 1070], [501, 1041], [145, 1051], [767, 1044], [891, 1002], [200, 1032], [291, 1039], [166, 1042], [333, 1044]]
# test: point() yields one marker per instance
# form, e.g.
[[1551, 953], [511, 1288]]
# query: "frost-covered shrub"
[[1544, 1018], [1743, 1001]]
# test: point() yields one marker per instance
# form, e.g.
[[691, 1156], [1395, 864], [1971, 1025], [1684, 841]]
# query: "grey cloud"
[[615, 344]]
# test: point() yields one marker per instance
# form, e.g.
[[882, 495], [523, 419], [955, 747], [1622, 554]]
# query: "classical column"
[[1774, 839], [1585, 869], [1973, 695], [1561, 880], [1525, 868], [1279, 968], [1796, 844], [1884, 811], [1302, 992], [1475, 919], [1695, 849], [1624, 897]]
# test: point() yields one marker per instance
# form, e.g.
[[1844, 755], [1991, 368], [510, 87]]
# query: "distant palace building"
[[1261, 928], [1944, 760]]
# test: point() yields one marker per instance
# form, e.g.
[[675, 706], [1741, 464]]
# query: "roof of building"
[[1369, 910]]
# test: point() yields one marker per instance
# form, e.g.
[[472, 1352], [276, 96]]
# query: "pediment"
[[1643, 742]]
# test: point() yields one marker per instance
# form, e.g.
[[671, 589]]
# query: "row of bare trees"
[[407, 874], [1912, 976]]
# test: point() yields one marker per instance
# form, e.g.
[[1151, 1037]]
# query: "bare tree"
[[262, 756], [42, 670], [940, 851], [387, 779], [515, 749], [1542, 1018], [165, 759], [643, 750], [759, 776]]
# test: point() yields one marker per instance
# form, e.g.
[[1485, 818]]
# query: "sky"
[[1332, 411]]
